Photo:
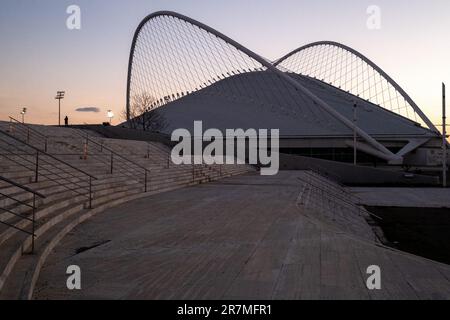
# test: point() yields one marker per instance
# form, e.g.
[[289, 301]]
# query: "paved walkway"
[[243, 238]]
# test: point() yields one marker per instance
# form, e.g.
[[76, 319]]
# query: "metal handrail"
[[319, 175], [114, 153], [23, 157], [39, 152], [33, 208], [84, 137], [15, 184], [330, 195], [110, 150], [47, 154], [88, 139], [355, 206], [30, 129], [159, 148], [78, 185]]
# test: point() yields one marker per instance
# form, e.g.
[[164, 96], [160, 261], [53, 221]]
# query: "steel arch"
[[383, 151], [391, 81]]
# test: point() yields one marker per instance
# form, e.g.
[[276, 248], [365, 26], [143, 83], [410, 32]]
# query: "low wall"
[[349, 174], [127, 134]]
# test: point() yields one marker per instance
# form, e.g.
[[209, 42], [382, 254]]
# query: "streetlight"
[[355, 137], [444, 139], [59, 97], [24, 111], [110, 115]]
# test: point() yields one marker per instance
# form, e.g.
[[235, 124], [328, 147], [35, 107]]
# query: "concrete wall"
[[127, 134], [350, 175]]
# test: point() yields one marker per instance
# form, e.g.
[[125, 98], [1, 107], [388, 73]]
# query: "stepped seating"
[[76, 185]]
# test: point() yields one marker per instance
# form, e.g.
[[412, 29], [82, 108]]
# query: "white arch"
[[394, 84], [383, 151]]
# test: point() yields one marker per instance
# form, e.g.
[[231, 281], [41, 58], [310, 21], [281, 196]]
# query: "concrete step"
[[60, 193], [20, 283], [60, 199], [62, 209]]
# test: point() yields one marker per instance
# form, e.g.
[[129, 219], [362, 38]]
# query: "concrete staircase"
[[329, 203], [75, 178]]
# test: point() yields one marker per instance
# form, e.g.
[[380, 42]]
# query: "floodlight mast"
[[110, 115], [444, 139], [59, 97], [23, 112]]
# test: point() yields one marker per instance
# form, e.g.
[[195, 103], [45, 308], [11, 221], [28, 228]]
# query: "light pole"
[[24, 111], [355, 157], [59, 97], [110, 115], [444, 140]]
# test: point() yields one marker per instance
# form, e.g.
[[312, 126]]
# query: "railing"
[[196, 172], [113, 160], [28, 134], [160, 149], [46, 166], [18, 203], [335, 194], [116, 160], [325, 193], [332, 185], [128, 165]]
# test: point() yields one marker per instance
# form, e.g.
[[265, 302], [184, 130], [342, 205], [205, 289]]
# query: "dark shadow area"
[[421, 231], [96, 245]]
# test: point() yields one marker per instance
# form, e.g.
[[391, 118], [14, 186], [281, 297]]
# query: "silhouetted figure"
[[66, 121]]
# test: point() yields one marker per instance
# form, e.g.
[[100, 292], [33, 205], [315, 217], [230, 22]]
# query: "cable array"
[[343, 69], [174, 58]]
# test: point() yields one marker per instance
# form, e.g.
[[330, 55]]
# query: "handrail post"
[[85, 149], [145, 186], [11, 126], [46, 144], [36, 172], [33, 235], [28, 135], [112, 162], [90, 192]]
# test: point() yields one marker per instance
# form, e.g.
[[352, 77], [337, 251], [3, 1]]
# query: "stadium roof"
[[189, 71], [223, 111]]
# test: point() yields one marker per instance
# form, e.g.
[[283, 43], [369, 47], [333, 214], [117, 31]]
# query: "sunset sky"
[[39, 55]]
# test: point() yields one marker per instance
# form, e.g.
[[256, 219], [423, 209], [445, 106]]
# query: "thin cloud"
[[88, 109]]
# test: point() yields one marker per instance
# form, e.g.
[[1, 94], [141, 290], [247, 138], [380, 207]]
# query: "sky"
[[39, 55]]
